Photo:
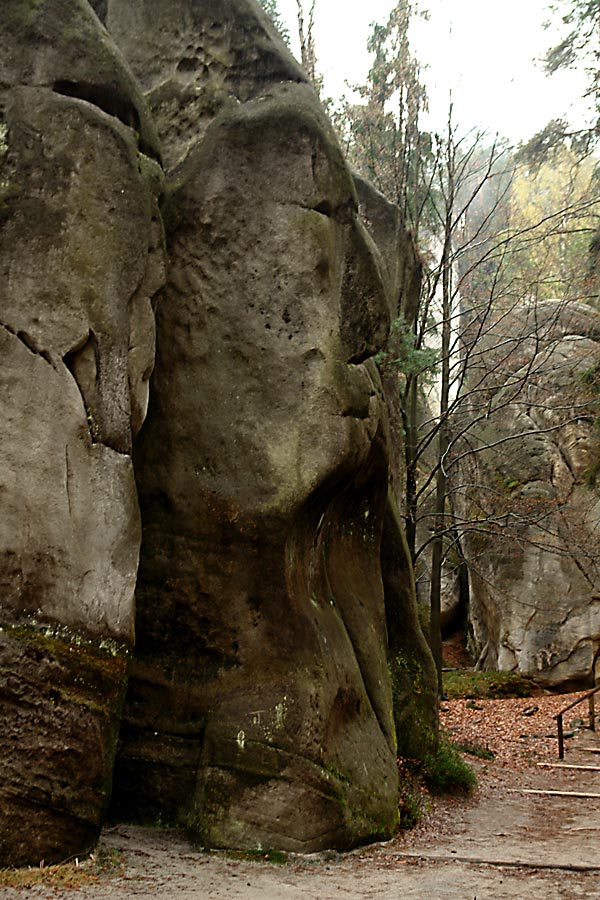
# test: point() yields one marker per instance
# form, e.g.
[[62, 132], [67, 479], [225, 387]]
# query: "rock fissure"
[[111, 102], [252, 426], [28, 342]]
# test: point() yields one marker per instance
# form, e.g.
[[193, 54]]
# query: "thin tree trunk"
[[437, 553], [411, 467]]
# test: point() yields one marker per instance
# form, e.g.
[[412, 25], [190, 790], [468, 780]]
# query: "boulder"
[[259, 711], [80, 260], [535, 586]]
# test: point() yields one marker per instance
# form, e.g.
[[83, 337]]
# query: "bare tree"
[[478, 341]]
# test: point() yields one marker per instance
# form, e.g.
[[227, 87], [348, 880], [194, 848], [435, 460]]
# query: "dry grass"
[[68, 875]]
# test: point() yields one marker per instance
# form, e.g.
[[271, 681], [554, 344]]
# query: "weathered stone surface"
[[535, 584], [261, 710], [260, 706], [80, 259], [193, 58], [262, 493], [412, 670], [402, 266]]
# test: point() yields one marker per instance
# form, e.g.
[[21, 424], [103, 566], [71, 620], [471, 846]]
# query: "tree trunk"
[[437, 554]]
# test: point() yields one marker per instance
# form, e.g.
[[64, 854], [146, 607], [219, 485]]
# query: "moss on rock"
[[60, 725], [412, 670]]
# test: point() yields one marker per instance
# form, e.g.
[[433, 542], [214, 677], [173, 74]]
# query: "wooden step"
[[578, 794]]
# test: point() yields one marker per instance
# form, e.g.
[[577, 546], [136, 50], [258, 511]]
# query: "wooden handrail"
[[559, 717], [575, 702]]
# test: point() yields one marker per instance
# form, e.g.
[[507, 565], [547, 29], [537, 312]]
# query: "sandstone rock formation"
[[80, 259], [414, 680], [535, 583], [278, 652], [260, 705]]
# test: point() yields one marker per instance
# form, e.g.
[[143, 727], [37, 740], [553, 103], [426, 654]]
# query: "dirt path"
[[500, 845]]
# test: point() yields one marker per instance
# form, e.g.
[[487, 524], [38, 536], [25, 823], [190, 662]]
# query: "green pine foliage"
[[381, 133], [272, 10]]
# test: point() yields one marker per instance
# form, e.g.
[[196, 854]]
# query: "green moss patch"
[[446, 772], [465, 683], [89, 671]]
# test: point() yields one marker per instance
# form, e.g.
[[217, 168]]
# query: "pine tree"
[[382, 134], [307, 45], [272, 10]]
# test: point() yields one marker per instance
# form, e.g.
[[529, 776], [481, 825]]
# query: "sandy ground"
[[502, 844]]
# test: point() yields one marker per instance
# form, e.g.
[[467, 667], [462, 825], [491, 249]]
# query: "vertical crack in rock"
[[82, 363], [112, 103], [28, 342]]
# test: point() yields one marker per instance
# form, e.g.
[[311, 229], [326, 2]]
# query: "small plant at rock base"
[[410, 796], [275, 857], [446, 772], [411, 808]]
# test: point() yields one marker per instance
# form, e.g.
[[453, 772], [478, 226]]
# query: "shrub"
[[446, 772], [411, 800], [411, 807]]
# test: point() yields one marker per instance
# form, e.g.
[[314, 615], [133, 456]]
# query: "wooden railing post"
[[559, 717], [561, 741]]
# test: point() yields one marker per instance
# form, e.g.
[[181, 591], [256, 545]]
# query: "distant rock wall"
[[80, 259], [535, 581]]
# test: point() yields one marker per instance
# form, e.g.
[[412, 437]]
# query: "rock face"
[[535, 584], [79, 262], [260, 705], [277, 652], [412, 670]]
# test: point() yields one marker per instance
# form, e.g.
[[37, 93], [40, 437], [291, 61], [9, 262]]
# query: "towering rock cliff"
[[277, 650], [80, 259], [260, 707]]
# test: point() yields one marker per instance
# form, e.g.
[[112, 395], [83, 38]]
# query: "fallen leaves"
[[498, 726]]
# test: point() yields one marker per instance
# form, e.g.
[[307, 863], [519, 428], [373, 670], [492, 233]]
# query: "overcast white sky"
[[483, 50]]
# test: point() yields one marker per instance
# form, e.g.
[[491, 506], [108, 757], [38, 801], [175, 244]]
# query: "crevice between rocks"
[[28, 342], [82, 362], [110, 102]]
